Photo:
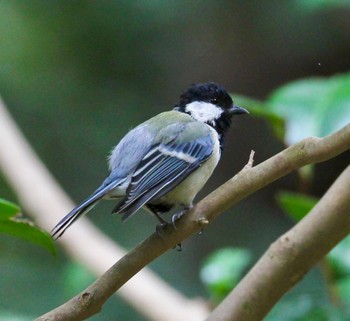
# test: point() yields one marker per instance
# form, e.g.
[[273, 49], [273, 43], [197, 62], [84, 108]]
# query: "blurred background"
[[77, 75]]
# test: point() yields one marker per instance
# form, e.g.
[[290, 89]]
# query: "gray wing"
[[130, 151], [162, 169]]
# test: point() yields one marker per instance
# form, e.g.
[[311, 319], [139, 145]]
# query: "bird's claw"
[[176, 217], [160, 229], [178, 247], [160, 232]]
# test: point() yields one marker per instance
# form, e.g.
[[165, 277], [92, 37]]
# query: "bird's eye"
[[214, 100]]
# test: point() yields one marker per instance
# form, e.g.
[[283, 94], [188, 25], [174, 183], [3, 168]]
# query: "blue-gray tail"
[[73, 215], [81, 209]]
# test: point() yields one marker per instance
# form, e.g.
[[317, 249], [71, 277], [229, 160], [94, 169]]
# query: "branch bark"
[[249, 180], [290, 257]]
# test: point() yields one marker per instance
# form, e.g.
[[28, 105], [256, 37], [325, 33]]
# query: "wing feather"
[[162, 169]]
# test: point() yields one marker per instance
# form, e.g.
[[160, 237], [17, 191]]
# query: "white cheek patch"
[[203, 112]]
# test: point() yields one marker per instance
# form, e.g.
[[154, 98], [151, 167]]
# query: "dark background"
[[77, 75]]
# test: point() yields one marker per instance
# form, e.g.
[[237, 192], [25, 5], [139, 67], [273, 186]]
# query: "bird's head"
[[211, 104]]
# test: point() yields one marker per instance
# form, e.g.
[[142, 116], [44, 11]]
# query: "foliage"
[[295, 205], [12, 223], [339, 261], [222, 270], [318, 106], [303, 108], [312, 107]]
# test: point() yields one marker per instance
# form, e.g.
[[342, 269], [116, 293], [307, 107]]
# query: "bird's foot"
[[178, 247], [160, 232], [177, 216], [160, 229]]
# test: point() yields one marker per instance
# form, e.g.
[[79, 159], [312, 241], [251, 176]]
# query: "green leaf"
[[259, 109], [223, 269], [11, 223], [7, 209], [295, 205], [337, 108], [339, 259], [343, 289], [312, 107], [26, 230]]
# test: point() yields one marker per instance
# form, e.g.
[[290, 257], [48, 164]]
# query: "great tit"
[[165, 161]]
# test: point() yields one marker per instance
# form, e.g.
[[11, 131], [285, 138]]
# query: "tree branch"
[[290, 257], [246, 182]]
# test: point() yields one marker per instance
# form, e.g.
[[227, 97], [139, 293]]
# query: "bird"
[[165, 161]]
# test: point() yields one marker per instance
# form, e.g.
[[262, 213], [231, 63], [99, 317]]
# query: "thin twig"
[[250, 160]]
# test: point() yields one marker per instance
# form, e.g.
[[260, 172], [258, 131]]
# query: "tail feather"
[[73, 215], [81, 209]]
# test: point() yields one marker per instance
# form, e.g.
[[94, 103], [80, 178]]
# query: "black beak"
[[236, 110]]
